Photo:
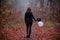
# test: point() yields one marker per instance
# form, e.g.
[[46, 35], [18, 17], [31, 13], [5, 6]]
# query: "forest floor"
[[18, 32]]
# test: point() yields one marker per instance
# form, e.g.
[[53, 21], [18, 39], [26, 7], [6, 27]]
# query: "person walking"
[[28, 21]]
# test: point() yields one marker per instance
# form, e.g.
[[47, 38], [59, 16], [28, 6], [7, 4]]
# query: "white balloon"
[[40, 23]]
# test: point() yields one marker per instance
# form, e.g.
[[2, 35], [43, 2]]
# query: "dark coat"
[[29, 17]]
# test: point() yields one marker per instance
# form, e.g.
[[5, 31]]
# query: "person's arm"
[[33, 17], [25, 17]]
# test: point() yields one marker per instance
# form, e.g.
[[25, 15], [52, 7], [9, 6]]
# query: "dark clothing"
[[29, 20], [28, 29], [29, 17]]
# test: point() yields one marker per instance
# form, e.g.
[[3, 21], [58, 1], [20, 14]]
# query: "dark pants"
[[28, 28]]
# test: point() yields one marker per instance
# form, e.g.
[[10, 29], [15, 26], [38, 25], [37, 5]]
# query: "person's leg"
[[27, 29], [30, 29]]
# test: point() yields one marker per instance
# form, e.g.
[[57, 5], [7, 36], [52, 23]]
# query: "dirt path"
[[19, 33]]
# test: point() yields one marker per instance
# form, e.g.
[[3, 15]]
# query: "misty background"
[[14, 10]]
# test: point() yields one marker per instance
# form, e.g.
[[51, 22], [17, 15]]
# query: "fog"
[[22, 5]]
